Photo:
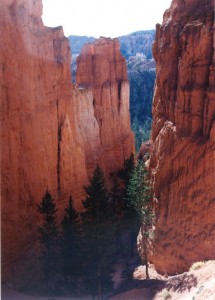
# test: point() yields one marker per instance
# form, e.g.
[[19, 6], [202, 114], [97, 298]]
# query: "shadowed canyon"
[[54, 132]]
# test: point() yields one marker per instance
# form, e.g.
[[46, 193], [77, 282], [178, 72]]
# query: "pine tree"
[[125, 172], [70, 246], [129, 222], [99, 228], [139, 196], [117, 198], [49, 237], [125, 175]]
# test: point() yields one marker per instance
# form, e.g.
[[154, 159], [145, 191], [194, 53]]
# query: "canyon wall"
[[183, 136], [52, 133]]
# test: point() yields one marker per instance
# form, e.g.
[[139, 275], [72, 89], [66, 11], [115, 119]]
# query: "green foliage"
[[139, 193], [166, 294], [71, 217], [127, 273], [71, 246], [197, 265], [141, 131], [99, 236], [97, 202], [129, 222], [137, 42], [139, 196], [77, 42], [49, 237], [125, 173], [141, 94], [117, 198]]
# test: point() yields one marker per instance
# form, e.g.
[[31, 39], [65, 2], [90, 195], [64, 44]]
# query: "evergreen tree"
[[49, 237], [117, 198], [99, 230], [129, 222], [139, 196], [125, 173], [127, 273], [70, 246], [141, 131]]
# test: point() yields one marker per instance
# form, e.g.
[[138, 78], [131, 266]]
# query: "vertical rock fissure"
[[57, 51], [207, 124], [92, 70], [59, 138], [119, 94]]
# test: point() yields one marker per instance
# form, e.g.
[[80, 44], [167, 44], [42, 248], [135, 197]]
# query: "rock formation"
[[183, 136], [101, 67], [52, 134]]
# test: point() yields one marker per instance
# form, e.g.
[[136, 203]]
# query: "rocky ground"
[[197, 284]]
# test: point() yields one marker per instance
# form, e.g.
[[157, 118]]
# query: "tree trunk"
[[100, 295], [131, 244], [144, 244]]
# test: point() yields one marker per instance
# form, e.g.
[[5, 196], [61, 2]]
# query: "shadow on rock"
[[182, 283], [149, 286]]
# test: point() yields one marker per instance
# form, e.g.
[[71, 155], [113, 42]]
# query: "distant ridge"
[[77, 42], [137, 42], [130, 44]]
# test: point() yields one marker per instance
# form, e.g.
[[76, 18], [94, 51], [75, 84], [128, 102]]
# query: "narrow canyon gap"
[[53, 134]]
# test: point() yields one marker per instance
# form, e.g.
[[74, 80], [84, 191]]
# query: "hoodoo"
[[53, 134], [183, 136], [102, 68]]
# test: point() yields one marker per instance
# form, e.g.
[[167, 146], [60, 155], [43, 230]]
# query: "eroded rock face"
[[101, 67], [40, 145], [50, 136], [183, 136]]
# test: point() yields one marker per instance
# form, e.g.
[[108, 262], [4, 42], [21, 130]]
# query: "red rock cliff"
[[50, 137], [101, 67], [183, 136]]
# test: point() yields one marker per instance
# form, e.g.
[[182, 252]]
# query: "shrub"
[[166, 294], [197, 265]]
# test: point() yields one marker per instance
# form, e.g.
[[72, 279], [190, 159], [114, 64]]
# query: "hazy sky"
[[110, 18]]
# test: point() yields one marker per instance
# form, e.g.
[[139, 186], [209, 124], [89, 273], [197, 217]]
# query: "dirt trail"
[[198, 284]]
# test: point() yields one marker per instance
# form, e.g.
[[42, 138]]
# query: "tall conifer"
[[70, 246], [139, 196], [49, 238], [99, 228]]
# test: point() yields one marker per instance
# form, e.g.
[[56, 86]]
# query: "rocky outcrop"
[[50, 135], [144, 150], [102, 68], [183, 136]]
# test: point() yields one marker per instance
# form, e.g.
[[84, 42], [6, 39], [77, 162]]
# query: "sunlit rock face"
[[51, 137], [183, 136], [101, 67]]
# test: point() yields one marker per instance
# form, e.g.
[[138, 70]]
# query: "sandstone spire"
[[102, 68]]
